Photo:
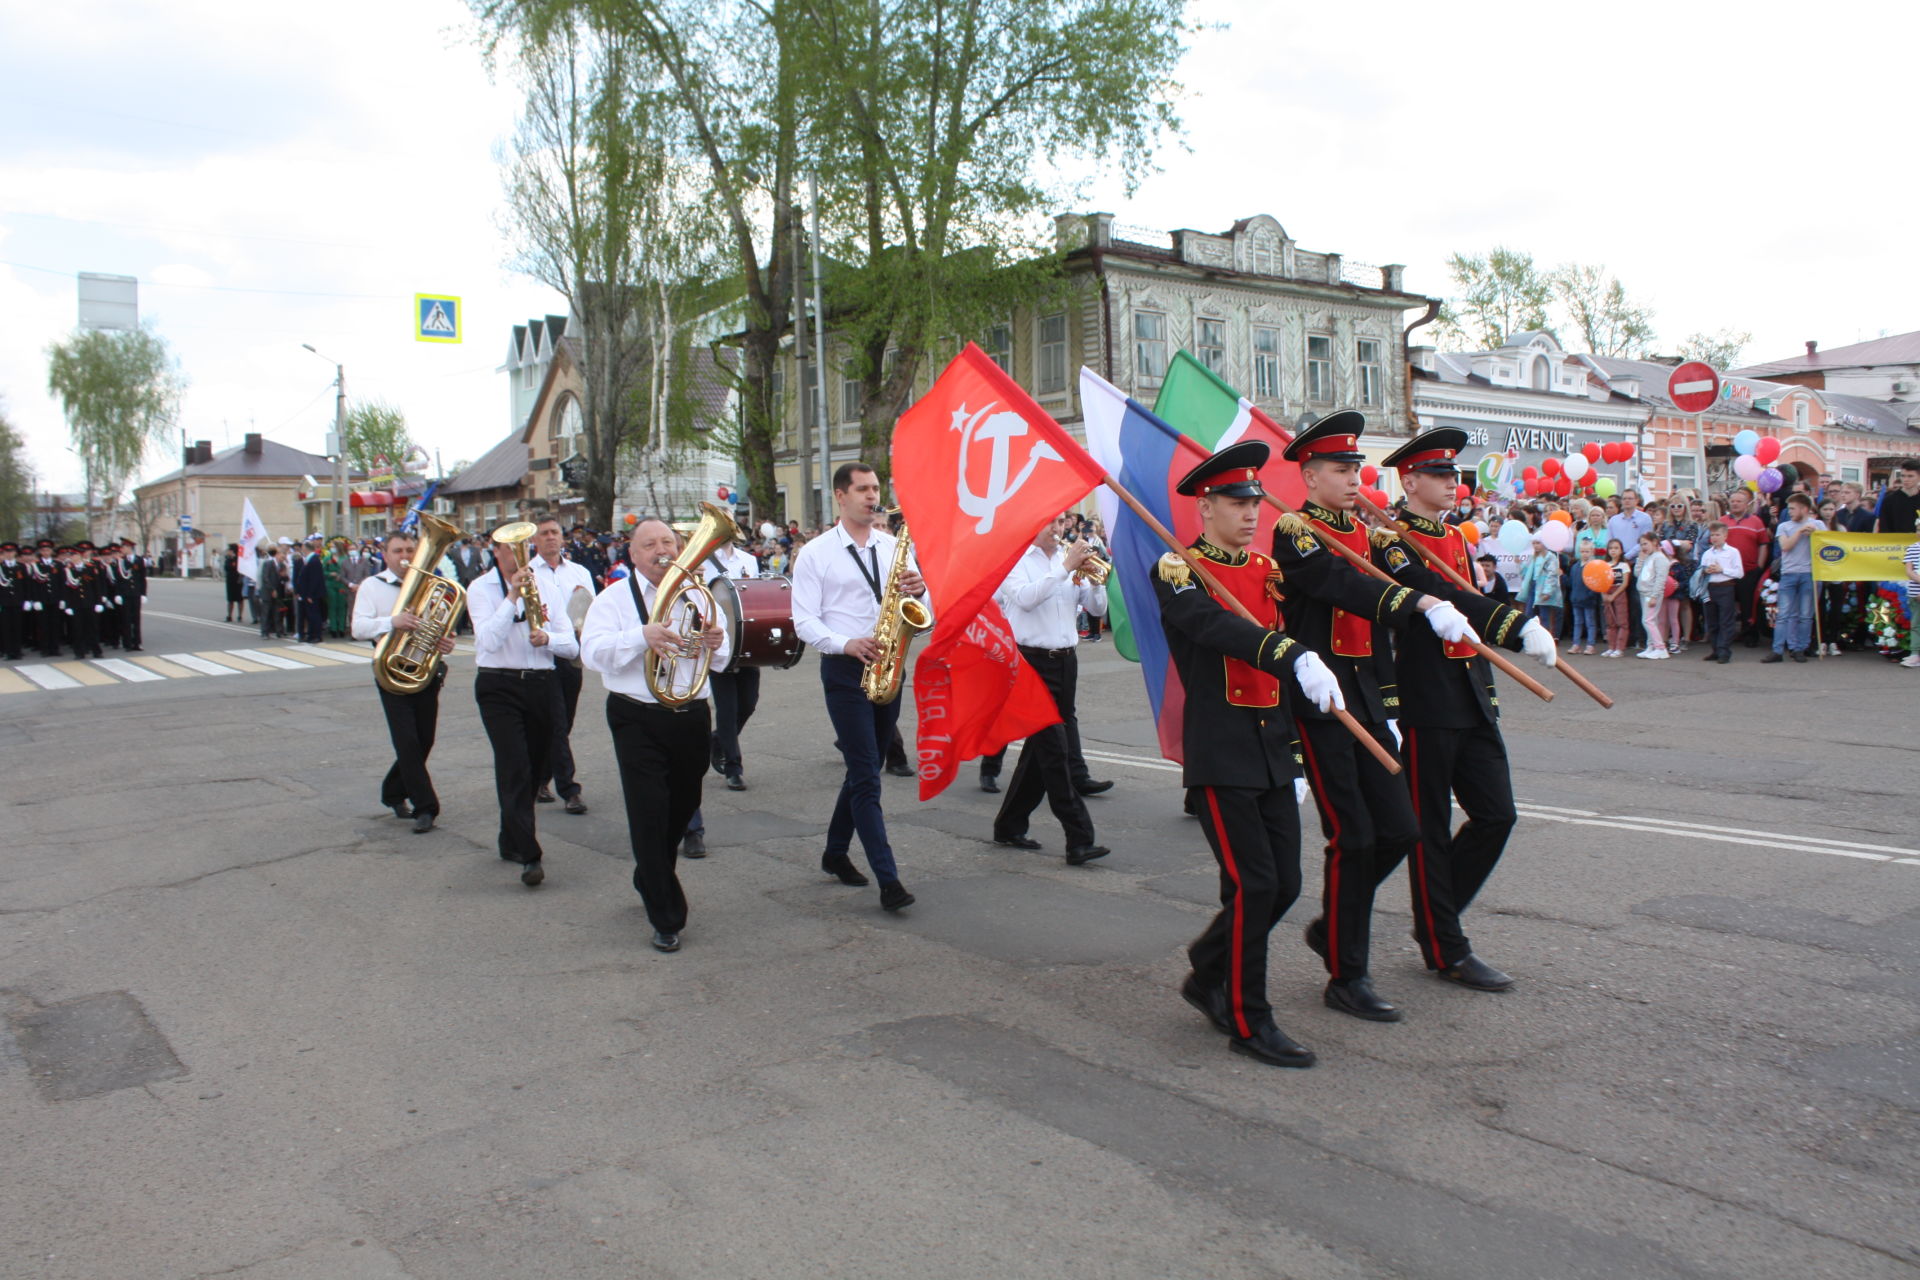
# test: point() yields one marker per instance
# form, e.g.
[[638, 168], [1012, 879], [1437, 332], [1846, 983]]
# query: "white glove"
[[1450, 624], [1536, 643], [1318, 682], [1299, 790], [1394, 725]]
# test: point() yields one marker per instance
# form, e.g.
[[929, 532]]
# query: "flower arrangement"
[[1889, 621]]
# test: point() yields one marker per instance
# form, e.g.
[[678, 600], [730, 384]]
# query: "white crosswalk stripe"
[[268, 657], [126, 670], [48, 678], [194, 662]]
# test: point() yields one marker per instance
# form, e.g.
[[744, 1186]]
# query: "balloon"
[[1598, 575], [1577, 467], [632, 519], [1747, 467], [1464, 492], [1561, 517], [1550, 467], [1626, 450], [1770, 480], [1767, 450], [1591, 452], [1489, 470], [1746, 441], [1530, 473], [1471, 532], [1369, 474], [1555, 536], [1752, 487], [1604, 487], [1563, 486], [1515, 538]]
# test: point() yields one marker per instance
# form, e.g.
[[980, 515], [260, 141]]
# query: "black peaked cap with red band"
[[1334, 438], [1234, 472], [1437, 450]]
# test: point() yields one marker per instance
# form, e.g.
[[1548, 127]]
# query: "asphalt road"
[[254, 1027]]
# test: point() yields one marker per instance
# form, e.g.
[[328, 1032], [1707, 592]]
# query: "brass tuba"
[[680, 582], [519, 536], [404, 661], [900, 620]]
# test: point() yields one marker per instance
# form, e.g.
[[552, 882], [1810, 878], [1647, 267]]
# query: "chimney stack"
[[202, 452], [1812, 347], [253, 444]]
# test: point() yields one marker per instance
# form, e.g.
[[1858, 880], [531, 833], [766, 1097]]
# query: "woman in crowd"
[[1688, 539], [1653, 574], [1614, 602], [236, 584]]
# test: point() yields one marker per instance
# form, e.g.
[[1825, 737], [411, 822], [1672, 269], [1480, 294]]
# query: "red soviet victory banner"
[[979, 468]]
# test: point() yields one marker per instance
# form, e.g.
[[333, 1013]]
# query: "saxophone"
[[901, 619]]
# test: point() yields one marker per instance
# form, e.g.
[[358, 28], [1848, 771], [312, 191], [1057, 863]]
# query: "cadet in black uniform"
[[77, 587], [1450, 717], [42, 602], [133, 570], [1345, 616], [13, 601], [1239, 766]]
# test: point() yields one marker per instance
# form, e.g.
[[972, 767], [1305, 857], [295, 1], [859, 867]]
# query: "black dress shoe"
[[1724, 658], [1797, 656], [1356, 996], [533, 875], [894, 896], [664, 941], [1475, 973], [1212, 1003], [401, 811], [693, 844], [422, 823], [1082, 854], [1772, 657], [841, 867], [576, 805], [544, 795], [1092, 788], [990, 782], [1316, 936], [1712, 657], [1274, 1047], [900, 770], [1017, 842], [736, 783]]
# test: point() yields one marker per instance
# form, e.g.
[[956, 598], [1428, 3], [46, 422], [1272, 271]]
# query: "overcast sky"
[[278, 175]]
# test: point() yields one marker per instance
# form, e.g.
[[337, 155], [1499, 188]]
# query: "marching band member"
[[412, 718], [514, 689], [45, 601], [14, 601], [566, 585], [1345, 617], [736, 692], [661, 750], [1042, 604], [1239, 766], [838, 580]]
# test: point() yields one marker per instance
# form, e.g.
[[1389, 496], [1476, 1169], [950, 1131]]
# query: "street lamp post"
[[339, 449]]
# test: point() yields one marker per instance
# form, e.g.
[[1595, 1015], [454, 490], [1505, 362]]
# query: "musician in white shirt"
[[567, 586], [1043, 603], [736, 692], [518, 702], [838, 580], [661, 750], [412, 718]]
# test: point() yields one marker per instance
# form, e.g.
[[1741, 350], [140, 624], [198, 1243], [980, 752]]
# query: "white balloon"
[[1576, 466], [1557, 537], [1515, 538]]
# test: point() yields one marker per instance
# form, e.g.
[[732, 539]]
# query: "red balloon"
[[1626, 450], [1530, 473], [1610, 452], [1563, 486], [1369, 474], [1464, 492], [1592, 451], [1767, 450], [1550, 467]]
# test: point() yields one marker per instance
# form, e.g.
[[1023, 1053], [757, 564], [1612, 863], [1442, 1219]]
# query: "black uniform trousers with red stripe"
[[1447, 868], [1255, 837], [1369, 825]]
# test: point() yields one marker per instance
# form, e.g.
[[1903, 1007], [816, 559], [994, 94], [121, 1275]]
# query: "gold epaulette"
[[1383, 537], [1174, 570], [1293, 523]]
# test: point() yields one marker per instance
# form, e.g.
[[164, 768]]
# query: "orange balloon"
[[1471, 532], [1562, 517], [1598, 575]]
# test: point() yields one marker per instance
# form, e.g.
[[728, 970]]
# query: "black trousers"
[[1255, 836], [517, 708], [130, 617], [566, 688], [48, 619], [313, 619], [108, 619], [1070, 726], [1447, 868], [1044, 768], [1723, 616], [1636, 628], [1746, 597], [83, 630], [861, 732], [12, 624], [662, 756], [735, 696], [412, 720], [1367, 817]]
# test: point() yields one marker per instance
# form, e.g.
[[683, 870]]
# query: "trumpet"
[[519, 536], [1093, 569]]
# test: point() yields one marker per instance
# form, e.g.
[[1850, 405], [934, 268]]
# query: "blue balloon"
[[1747, 441], [1514, 537]]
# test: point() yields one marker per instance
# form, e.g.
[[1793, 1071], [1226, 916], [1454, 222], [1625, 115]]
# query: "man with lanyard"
[[1042, 604], [566, 586], [838, 580], [1628, 526], [1450, 718], [412, 718], [79, 584], [13, 601], [1345, 616], [1238, 746], [514, 689], [736, 692], [106, 563], [1748, 534], [661, 750], [42, 602]]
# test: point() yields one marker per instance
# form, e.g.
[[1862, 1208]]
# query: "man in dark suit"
[[310, 585], [270, 585]]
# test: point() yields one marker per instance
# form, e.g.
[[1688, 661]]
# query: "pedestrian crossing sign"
[[436, 318]]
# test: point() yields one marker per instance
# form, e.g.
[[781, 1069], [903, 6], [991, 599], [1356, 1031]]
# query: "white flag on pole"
[[252, 532]]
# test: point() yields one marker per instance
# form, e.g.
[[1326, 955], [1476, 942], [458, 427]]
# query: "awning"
[[372, 500]]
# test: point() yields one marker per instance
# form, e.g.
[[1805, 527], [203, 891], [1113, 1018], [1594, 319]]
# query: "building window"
[[1053, 353], [999, 345], [1683, 471], [1210, 344], [1850, 475], [1319, 368], [1366, 353], [1266, 364], [850, 394], [1149, 346], [1800, 415]]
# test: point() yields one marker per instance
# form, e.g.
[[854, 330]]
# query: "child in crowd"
[[1487, 574], [1724, 569], [1540, 586], [1911, 558], [1653, 573], [1615, 600], [1585, 602]]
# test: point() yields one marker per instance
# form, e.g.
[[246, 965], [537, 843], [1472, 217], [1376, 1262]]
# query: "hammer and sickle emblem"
[[999, 428]]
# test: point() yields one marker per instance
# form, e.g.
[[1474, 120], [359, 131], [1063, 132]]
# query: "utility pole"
[[338, 445], [819, 353], [180, 535], [803, 445]]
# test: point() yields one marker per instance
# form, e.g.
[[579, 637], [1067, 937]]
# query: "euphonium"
[[519, 536], [404, 661], [901, 619], [680, 582]]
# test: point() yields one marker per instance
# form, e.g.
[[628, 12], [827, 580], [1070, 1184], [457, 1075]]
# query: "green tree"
[[375, 430], [1597, 308], [1721, 349], [16, 484], [120, 391], [1501, 293]]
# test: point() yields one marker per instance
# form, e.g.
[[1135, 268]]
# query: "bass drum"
[[759, 621]]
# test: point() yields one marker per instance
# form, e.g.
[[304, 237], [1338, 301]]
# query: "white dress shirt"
[[732, 562], [1042, 602], [500, 628], [833, 601], [614, 643], [373, 606]]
